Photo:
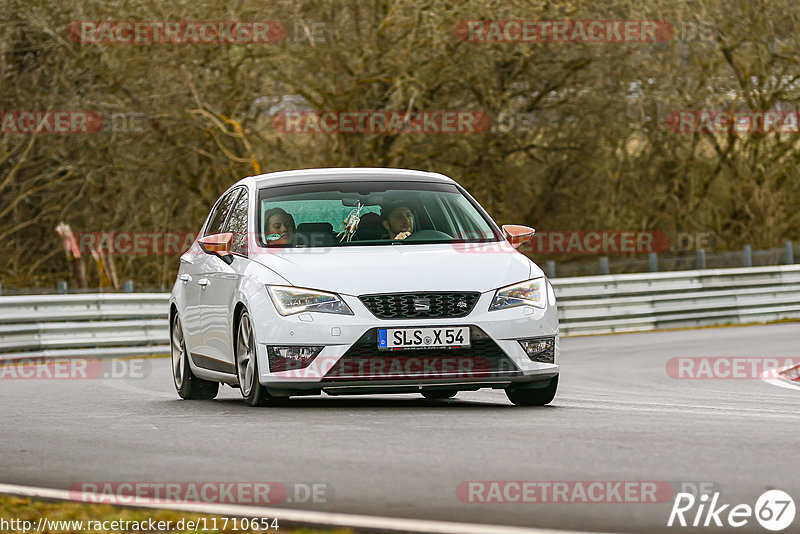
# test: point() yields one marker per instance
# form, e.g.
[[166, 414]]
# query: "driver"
[[398, 219]]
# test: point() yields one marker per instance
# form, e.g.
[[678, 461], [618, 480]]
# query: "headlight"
[[530, 293], [290, 300]]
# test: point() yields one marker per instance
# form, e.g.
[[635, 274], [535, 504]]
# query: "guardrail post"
[[747, 256], [127, 287], [789, 253], [550, 269], [604, 265], [653, 257], [701, 258], [61, 286]]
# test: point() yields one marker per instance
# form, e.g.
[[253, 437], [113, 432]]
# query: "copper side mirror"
[[219, 244], [518, 235]]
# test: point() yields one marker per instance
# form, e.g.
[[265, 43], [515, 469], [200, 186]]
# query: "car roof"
[[339, 174]]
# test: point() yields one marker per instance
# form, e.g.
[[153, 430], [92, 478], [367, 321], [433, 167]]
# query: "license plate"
[[423, 338]]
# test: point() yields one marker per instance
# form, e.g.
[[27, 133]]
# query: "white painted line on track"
[[306, 517], [672, 408]]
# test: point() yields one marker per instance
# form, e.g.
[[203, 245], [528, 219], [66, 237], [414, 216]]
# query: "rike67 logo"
[[774, 510]]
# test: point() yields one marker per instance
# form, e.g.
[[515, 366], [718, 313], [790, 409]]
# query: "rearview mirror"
[[218, 244], [518, 235]]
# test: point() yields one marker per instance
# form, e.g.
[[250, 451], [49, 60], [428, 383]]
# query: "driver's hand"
[[402, 235]]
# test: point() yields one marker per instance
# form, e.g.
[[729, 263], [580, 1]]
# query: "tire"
[[534, 396], [440, 393], [253, 392], [189, 387]]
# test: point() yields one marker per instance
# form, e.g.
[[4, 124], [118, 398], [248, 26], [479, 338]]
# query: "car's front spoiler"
[[373, 386]]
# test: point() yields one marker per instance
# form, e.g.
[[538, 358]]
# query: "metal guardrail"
[[650, 301], [135, 324], [86, 325]]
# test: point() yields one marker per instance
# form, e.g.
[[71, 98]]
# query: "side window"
[[215, 226], [237, 224]]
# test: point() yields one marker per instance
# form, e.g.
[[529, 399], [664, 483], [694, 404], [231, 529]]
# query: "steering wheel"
[[424, 235]]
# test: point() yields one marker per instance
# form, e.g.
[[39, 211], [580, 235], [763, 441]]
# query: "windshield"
[[369, 213]]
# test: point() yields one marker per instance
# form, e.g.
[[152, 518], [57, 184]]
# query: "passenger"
[[279, 227], [398, 219]]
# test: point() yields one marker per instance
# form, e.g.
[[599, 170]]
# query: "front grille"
[[484, 359], [420, 305]]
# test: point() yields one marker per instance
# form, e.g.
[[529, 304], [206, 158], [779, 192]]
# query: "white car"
[[350, 281]]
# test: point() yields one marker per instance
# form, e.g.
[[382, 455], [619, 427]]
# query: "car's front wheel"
[[188, 385], [247, 365], [534, 396]]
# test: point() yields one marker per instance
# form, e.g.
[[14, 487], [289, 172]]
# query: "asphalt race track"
[[618, 416]]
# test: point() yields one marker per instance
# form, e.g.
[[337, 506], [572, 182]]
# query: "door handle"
[[203, 282], [185, 278]]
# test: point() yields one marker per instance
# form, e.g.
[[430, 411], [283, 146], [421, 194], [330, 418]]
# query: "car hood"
[[358, 270]]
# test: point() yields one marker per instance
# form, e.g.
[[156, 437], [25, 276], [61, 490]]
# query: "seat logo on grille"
[[422, 304]]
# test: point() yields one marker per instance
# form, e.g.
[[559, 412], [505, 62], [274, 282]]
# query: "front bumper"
[[350, 362]]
